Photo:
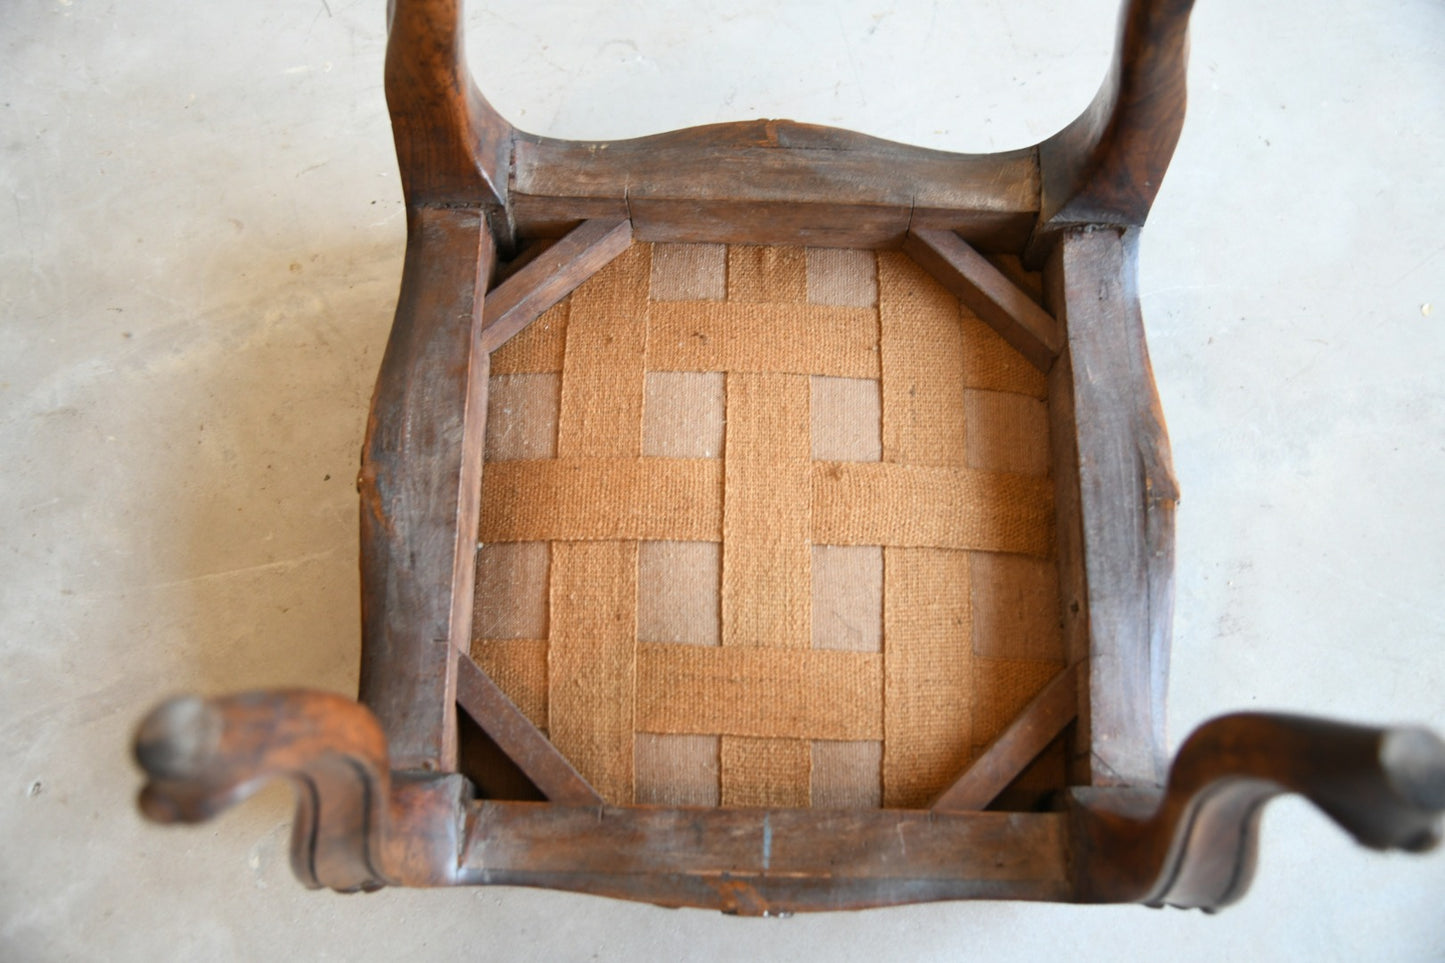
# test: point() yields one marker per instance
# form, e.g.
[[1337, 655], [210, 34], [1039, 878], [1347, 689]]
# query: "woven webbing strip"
[[922, 353], [852, 503], [857, 503], [836, 341], [538, 349], [592, 651], [767, 509], [767, 553], [990, 363], [591, 661], [813, 694], [724, 448], [602, 370], [577, 499], [767, 275], [766, 772], [1004, 687], [519, 667], [927, 676]]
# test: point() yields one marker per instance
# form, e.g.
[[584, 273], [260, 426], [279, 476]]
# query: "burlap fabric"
[[766, 526]]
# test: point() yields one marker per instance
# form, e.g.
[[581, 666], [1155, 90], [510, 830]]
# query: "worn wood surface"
[[357, 826], [759, 861], [202, 756], [1037, 725], [1012, 267], [773, 181], [1069, 547], [523, 742], [988, 293], [549, 277], [1106, 166], [1386, 787], [420, 487], [451, 146], [1124, 558]]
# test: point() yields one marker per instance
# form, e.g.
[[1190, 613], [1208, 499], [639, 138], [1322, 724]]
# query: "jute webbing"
[[591, 658], [1004, 687], [722, 414], [587, 499], [990, 363], [766, 772], [845, 503], [519, 667], [926, 506], [837, 341], [922, 356], [737, 691], [767, 554], [767, 275], [767, 509], [603, 367], [711, 690], [538, 349], [591, 661], [928, 672]]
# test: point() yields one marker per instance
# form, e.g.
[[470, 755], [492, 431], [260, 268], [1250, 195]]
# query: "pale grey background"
[[200, 242]]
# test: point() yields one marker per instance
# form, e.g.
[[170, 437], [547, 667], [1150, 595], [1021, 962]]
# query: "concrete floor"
[[198, 262]]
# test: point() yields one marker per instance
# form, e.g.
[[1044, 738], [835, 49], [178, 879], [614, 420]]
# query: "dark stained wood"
[[527, 251], [753, 222], [420, 488], [423, 833], [357, 826], [771, 181], [451, 146], [1126, 495], [994, 231], [987, 293], [549, 277], [1069, 546], [1106, 166], [759, 861], [1032, 730], [202, 756], [1012, 267], [523, 742], [1386, 787], [491, 771]]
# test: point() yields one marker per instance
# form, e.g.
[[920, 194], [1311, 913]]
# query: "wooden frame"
[[502, 225]]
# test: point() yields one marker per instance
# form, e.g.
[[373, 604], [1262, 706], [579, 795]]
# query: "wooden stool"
[[789, 514]]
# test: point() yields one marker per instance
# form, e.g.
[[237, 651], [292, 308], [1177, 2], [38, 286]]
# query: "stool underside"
[[768, 526]]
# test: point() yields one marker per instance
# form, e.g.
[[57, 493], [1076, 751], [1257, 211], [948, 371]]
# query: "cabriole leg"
[[355, 828]]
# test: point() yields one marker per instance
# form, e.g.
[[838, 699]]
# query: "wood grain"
[[772, 181], [1197, 848], [767, 861], [1106, 166], [549, 277], [452, 147], [1012, 750], [202, 756], [1126, 496], [988, 293], [420, 487], [523, 742]]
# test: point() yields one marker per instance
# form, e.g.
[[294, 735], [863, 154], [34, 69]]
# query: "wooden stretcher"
[[443, 774]]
